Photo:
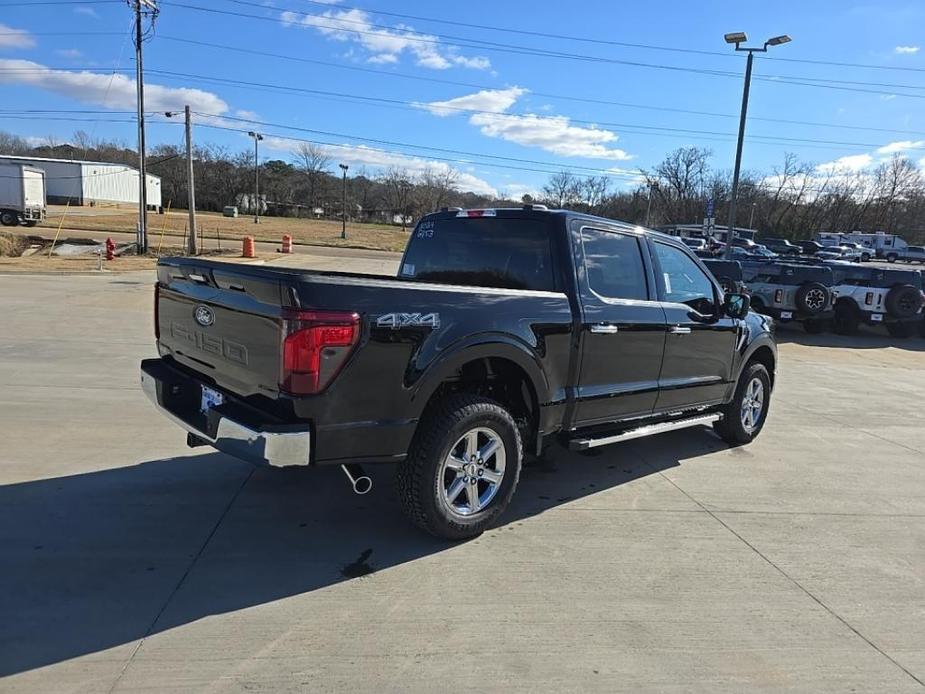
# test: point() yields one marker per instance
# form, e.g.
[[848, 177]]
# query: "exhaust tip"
[[359, 480]]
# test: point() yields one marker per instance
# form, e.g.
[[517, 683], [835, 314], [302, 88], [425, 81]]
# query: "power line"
[[544, 95], [417, 106], [585, 39], [462, 42]]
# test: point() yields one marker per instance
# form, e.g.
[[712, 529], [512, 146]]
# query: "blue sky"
[[441, 85]]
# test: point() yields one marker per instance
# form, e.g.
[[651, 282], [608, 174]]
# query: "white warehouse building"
[[90, 182]]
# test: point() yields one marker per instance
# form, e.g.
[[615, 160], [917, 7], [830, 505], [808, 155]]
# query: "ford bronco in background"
[[877, 296], [790, 291], [504, 329]]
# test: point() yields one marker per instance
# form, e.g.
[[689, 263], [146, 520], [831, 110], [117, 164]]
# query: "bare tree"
[[681, 178], [593, 191], [563, 190], [315, 162], [398, 189], [433, 187]]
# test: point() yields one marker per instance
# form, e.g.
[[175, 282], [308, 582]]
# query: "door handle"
[[604, 329], [679, 330]]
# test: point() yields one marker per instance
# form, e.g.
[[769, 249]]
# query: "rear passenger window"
[[613, 263]]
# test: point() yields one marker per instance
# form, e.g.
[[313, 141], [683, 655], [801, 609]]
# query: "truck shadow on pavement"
[[99, 560]]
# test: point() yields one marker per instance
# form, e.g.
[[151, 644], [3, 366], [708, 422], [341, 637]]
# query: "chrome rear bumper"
[[278, 449]]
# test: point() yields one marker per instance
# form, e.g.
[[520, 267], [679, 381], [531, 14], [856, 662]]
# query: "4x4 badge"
[[408, 320]]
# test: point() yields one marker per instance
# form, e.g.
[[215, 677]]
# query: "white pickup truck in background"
[[22, 195]]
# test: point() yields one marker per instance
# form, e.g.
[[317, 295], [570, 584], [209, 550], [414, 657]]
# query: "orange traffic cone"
[[287, 243], [249, 251]]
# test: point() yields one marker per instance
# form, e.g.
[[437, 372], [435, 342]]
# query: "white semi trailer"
[[22, 195]]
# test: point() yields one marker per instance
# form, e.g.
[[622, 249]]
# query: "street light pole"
[[257, 138], [343, 228], [738, 38], [192, 247]]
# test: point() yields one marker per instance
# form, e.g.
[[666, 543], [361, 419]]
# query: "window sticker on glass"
[[426, 230], [667, 282], [407, 270]]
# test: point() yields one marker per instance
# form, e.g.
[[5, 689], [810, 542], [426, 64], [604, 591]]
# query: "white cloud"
[[86, 10], [69, 53], [887, 97], [901, 146], [516, 191], [494, 100], [362, 155], [15, 38], [906, 50], [553, 134], [847, 164], [385, 45], [249, 115], [111, 91]]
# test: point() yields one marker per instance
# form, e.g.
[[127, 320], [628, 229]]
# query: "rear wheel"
[[891, 257], [462, 468], [814, 326], [9, 218], [847, 319], [901, 330], [744, 417]]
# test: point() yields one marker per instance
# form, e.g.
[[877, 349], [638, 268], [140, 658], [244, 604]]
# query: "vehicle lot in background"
[[912, 254], [676, 563]]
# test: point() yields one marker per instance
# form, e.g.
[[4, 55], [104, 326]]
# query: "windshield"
[[482, 251]]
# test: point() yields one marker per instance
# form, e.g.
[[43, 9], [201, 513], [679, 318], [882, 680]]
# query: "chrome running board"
[[583, 444]]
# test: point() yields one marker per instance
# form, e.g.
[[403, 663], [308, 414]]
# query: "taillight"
[[315, 348], [779, 296], [157, 305], [869, 298]]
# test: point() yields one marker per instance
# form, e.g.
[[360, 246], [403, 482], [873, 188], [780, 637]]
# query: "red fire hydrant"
[[110, 249]]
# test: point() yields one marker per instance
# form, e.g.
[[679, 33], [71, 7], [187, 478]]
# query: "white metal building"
[[90, 182]]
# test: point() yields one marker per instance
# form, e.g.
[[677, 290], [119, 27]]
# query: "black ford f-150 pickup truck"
[[503, 328]]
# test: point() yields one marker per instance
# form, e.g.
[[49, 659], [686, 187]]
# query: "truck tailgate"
[[224, 322]]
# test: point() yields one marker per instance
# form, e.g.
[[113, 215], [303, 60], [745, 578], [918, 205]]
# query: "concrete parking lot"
[[675, 564]]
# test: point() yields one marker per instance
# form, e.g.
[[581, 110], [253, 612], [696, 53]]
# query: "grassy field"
[[216, 229]]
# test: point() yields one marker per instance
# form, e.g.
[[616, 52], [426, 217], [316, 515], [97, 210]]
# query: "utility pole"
[[343, 228], [192, 244], [257, 138], [141, 8], [653, 184], [190, 184]]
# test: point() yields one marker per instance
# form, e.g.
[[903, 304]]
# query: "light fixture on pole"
[[192, 247], [738, 38], [343, 228], [257, 138]]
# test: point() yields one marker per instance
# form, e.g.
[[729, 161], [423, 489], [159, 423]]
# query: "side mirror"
[[736, 305]]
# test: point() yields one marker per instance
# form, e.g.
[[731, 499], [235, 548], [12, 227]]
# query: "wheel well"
[[763, 355], [503, 381]]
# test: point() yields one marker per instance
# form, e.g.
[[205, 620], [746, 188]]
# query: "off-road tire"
[[901, 330], [730, 428], [847, 319], [419, 489], [812, 297], [903, 301]]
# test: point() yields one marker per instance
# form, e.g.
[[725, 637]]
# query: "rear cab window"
[[502, 252]]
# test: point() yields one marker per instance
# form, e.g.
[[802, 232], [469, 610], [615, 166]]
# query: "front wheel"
[[462, 468], [744, 417]]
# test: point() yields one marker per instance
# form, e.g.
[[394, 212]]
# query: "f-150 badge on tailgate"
[[408, 320]]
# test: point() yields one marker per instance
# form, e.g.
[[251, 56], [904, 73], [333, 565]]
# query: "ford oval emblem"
[[204, 315]]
